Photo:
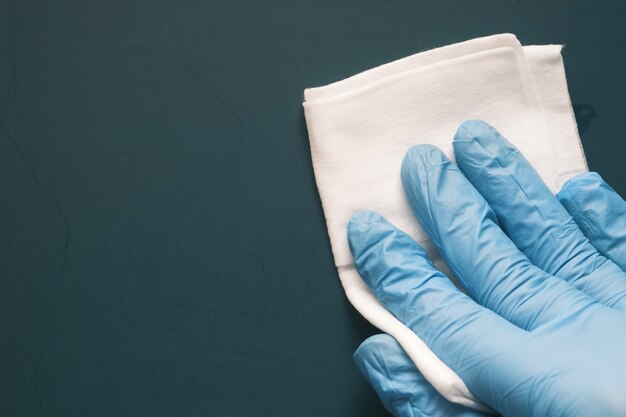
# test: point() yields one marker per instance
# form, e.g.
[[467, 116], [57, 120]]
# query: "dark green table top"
[[162, 245]]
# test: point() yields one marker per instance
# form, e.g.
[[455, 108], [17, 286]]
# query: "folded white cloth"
[[361, 127]]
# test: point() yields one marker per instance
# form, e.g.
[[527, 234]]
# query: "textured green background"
[[162, 245]]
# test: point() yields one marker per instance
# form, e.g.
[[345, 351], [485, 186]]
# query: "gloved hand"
[[542, 331]]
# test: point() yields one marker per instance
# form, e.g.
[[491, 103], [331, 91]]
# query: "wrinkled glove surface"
[[541, 328]]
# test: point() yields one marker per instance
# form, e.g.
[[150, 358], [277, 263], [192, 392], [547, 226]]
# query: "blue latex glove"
[[542, 331]]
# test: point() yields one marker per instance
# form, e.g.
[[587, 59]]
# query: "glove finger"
[[465, 231], [400, 386], [472, 340], [532, 216], [599, 212]]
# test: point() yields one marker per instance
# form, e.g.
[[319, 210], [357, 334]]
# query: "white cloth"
[[361, 127]]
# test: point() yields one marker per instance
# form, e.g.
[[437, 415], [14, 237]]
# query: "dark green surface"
[[162, 246]]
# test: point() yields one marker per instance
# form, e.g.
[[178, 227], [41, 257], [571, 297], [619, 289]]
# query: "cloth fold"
[[360, 128]]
